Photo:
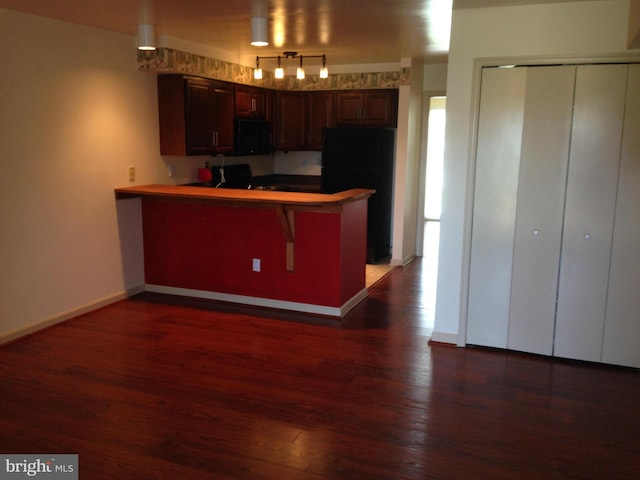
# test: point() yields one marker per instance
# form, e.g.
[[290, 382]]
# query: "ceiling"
[[347, 31]]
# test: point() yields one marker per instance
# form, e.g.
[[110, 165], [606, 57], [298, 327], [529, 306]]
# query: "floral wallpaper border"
[[167, 60]]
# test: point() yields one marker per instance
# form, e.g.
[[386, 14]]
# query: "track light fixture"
[[300, 73]]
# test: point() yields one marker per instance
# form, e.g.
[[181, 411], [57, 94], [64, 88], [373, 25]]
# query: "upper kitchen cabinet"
[[291, 121], [371, 108], [301, 118], [320, 115], [196, 115], [250, 102]]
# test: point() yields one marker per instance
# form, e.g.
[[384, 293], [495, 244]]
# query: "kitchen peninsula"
[[289, 250]]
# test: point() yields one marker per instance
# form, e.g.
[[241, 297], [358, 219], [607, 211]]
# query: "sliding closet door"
[[541, 192], [589, 211], [494, 212], [622, 325]]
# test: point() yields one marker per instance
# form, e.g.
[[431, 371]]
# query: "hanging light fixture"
[[257, 73], [279, 73], [324, 73], [259, 34], [259, 24], [300, 73], [146, 38]]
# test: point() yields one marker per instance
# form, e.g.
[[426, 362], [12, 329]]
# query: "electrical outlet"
[[132, 174], [256, 264]]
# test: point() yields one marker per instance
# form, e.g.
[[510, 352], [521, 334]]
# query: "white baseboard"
[[395, 262], [263, 302], [338, 312], [71, 313], [443, 337]]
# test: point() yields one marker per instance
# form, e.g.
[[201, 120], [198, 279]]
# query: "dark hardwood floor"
[[169, 388]]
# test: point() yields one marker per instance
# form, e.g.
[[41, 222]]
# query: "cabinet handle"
[[253, 105]]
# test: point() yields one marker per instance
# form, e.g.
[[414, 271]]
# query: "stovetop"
[[240, 177]]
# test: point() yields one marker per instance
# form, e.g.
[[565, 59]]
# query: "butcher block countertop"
[[242, 197]]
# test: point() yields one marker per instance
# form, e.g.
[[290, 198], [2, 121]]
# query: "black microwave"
[[251, 137]]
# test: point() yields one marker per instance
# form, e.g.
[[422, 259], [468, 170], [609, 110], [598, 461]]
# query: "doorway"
[[429, 222]]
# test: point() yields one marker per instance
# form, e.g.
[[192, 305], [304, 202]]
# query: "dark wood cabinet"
[[301, 118], [195, 115], [319, 116], [223, 108], [250, 102], [291, 121], [372, 108]]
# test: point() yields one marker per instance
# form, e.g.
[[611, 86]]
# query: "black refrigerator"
[[363, 157]]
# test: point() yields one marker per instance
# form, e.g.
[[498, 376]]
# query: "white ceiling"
[[347, 31]]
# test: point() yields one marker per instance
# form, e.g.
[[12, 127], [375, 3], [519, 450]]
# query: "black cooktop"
[[231, 176]]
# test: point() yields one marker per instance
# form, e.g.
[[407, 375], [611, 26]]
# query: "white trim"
[[403, 262], [263, 302], [68, 314], [443, 337]]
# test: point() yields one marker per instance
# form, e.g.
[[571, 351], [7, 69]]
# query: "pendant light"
[[146, 37], [300, 71], [259, 24], [279, 73], [259, 34], [257, 73], [324, 73]]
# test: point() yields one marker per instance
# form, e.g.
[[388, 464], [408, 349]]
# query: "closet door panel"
[[621, 343], [494, 211], [541, 192], [590, 201]]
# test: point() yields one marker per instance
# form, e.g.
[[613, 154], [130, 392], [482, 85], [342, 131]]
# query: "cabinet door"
[[348, 108], [494, 210], [222, 99], [320, 115], [589, 210], [292, 114], [621, 344], [199, 117], [250, 102], [380, 109], [541, 189], [171, 115]]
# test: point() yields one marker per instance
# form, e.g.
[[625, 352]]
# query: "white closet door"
[[590, 202], [621, 344], [494, 210], [541, 192]]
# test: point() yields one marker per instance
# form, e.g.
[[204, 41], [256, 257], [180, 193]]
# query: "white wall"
[[405, 184], [76, 114], [593, 29], [435, 77]]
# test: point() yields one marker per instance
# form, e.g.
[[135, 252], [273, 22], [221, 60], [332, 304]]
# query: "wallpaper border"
[[168, 60]]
